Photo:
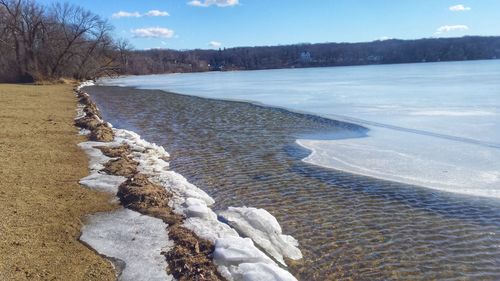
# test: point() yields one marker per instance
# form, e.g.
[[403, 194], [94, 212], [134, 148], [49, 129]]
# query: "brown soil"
[[41, 201]]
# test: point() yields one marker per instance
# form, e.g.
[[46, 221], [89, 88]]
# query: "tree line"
[[47, 42], [40, 42], [313, 55]]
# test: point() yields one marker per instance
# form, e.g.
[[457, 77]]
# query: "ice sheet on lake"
[[411, 158]]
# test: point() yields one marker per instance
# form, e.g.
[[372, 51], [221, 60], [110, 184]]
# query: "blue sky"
[[187, 24]]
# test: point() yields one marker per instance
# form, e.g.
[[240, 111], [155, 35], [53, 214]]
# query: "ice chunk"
[[150, 162], [260, 272], [236, 250], [103, 182], [264, 230], [84, 132], [134, 239], [96, 158], [97, 180], [194, 207], [85, 84], [238, 259], [137, 144], [179, 186], [209, 229], [151, 157]]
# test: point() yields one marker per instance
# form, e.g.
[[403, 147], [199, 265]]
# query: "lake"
[[381, 172]]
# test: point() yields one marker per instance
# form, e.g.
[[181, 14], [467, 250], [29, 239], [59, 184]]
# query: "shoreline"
[[153, 190], [42, 202]]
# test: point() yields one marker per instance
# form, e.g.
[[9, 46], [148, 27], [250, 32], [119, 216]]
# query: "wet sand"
[[42, 204]]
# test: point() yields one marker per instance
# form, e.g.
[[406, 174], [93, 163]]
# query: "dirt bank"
[[40, 198]]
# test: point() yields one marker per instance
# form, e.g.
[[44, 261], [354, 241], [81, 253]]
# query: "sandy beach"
[[42, 203]]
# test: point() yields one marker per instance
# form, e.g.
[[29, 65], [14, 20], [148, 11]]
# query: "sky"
[[190, 24]]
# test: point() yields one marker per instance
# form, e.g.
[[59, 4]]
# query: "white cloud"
[[218, 3], [153, 32], [215, 44], [152, 13], [459, 8], [450, 28], [122, 14], [157, 13]]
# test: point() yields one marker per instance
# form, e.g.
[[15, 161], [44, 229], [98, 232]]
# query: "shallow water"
[[349, 227]]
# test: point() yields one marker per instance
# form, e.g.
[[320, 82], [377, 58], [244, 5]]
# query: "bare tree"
[[42, 42], [72, 24], [12, 17], [124, 49]]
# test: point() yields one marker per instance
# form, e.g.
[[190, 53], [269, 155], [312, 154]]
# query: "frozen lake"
[[435, 125]]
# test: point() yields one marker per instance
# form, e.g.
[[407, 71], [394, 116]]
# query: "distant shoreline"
[[392, 51], [291, 68]]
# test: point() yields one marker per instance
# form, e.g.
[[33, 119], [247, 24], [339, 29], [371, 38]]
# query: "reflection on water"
[[349, 227]]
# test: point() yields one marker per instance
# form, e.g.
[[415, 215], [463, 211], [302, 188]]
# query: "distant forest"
[[47, 42], [313, 55]]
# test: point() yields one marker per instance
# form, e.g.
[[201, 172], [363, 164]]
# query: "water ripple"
[[349, 227]]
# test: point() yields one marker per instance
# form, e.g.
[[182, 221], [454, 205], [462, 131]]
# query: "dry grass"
[[115, 151], [65, 81], [123, 166], [40, 198]]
